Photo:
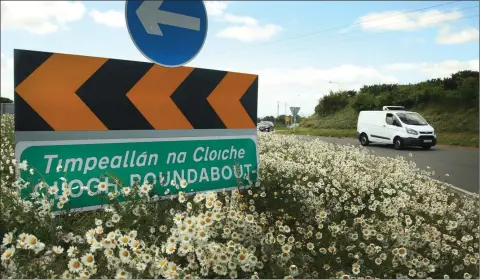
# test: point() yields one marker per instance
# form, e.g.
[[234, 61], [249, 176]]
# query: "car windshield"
[[265, 123], [412, 119]]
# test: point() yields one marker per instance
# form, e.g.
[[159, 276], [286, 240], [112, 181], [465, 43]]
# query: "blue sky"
[[385, 42]]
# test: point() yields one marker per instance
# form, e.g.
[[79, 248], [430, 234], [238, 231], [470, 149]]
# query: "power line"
[[297, 48], [425, 25], [381, 33], [340, 27], [446, 12]]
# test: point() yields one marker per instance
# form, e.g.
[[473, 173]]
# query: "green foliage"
[[269, 119], [451, 104], [281, 119], [334, 102], [460, 90], [5, 100]]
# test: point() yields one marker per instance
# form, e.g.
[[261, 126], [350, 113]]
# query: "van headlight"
[[411, 131]]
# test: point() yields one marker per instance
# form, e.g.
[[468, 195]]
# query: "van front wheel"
[[398, 143], [364, 139]]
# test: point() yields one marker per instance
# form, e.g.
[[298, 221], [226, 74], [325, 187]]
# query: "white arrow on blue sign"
[[170, 32]]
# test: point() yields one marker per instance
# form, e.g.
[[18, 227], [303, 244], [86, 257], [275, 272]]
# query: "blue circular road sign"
[[170, 32]]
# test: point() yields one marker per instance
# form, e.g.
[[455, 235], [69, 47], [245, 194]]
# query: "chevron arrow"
[[50, 91], [151, 96], [225, 100]]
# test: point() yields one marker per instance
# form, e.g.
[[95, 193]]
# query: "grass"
[[454, 127], [463, 139], [442, 120], [280, 126]]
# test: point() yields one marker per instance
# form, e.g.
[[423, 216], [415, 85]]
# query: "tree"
[[269, 118], [5, 100], [281, 119], [460, 90], [333, 102]]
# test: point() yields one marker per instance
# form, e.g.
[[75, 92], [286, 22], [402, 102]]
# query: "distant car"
[[265, 126]]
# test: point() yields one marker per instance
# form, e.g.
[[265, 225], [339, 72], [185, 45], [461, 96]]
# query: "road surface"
[[461, 164]]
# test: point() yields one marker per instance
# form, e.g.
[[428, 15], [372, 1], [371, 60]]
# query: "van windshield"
[[412, 119]]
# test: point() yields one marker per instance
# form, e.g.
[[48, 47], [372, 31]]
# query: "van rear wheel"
[[398, 143], [364, 139]]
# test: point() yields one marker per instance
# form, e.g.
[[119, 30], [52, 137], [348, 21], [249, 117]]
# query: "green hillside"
[[451, 105], [443, 121]]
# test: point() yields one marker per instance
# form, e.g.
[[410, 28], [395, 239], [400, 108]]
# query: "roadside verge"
[[459, 139]]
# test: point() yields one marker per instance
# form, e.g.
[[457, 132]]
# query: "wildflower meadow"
[[317, 210]]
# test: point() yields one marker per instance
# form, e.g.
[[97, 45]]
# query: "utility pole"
[[278, 112]]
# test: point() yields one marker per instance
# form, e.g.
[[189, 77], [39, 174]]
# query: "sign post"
[[170, 32], [294, 111], [109, 123]]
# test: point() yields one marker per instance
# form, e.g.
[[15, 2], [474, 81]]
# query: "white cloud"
[[447, 37], [231, 18], [400, 21], [250, 32], [215, 8], [6, 77], [109, 18], [244, 28], [40, 17], [436, 70], [304, 86], [114, 18], [397, 20], [345, 75]]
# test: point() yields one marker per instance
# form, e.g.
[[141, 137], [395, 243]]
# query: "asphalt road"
[[461, 164]]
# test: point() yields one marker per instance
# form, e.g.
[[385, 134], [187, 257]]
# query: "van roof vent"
[[393, 108]]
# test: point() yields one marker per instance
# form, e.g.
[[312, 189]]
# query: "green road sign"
[[94, 168]]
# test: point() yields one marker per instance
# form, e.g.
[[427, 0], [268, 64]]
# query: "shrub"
[[318, 210]]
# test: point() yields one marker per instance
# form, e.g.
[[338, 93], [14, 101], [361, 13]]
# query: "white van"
[[400, 128]]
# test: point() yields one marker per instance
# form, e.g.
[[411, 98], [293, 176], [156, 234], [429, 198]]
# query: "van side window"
[[389, 119], [396, 122]]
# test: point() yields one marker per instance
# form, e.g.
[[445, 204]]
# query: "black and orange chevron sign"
[[62, 92]]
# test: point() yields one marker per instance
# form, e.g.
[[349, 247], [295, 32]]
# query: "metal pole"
[[278, 112], [294, 122]]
